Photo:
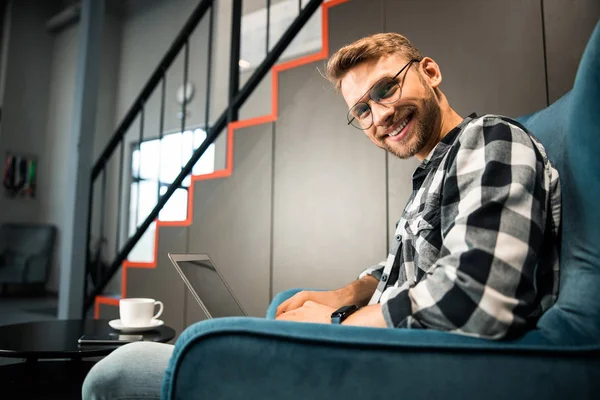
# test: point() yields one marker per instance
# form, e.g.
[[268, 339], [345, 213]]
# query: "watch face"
[[345, 309]]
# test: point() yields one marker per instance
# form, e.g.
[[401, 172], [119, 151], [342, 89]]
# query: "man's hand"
[[333, 299], [309, 312], [318, 313], [358, 292]]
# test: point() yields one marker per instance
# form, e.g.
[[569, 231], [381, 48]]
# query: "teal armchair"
[[251, 358]]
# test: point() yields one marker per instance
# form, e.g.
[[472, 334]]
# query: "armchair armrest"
[[252, 358]]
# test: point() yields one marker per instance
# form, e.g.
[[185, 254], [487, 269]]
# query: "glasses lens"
[[385, 91], [360, 116]]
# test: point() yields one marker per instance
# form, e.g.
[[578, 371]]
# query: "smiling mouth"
[[400, 126]]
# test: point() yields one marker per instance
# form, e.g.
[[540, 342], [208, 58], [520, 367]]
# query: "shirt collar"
[[446, 143], [436, 155]]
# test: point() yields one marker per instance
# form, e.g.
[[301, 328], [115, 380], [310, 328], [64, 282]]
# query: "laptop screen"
[[210, 288]]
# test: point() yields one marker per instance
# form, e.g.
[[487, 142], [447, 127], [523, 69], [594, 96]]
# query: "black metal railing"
[[237, 97]]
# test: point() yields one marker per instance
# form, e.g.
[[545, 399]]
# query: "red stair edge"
[[224, 173]]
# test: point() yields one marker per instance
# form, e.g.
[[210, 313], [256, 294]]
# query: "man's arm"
[[360, 291], [370, 316], [493, 221]]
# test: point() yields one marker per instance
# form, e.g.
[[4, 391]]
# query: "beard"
[[423, 124]]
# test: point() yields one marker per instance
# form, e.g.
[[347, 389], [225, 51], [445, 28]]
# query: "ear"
[[431, 72]]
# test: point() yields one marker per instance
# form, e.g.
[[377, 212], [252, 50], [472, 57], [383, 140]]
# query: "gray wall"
[[62, 89], [105, 125], [39, 85], [58, 127], [232, 221], [569, 24], [26, 96]]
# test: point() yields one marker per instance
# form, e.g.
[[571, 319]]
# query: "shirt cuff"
[[397, 310]]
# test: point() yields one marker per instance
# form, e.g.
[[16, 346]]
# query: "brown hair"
[[365, 49]]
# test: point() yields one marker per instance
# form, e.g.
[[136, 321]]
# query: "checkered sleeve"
[[492, 222], [375, 271]]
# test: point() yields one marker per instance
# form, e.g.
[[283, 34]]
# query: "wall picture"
[[19, 178]]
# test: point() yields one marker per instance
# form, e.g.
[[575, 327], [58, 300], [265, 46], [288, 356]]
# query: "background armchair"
[[250, 358], [25, 252]]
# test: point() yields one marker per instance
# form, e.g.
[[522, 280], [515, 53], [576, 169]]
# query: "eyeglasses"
[[384, 91]]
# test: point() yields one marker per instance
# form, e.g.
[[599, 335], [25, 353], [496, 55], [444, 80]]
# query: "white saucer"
[[116, 324]]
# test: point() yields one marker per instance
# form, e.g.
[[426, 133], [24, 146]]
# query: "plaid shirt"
[[476, 249]]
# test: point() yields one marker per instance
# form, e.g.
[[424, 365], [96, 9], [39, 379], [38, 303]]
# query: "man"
[[475, 251]]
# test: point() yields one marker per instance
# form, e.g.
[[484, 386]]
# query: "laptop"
[[207, 285]]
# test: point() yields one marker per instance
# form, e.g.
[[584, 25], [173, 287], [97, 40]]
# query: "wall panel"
[[232, 222], [569, 24], [490, 54], [109, 312]]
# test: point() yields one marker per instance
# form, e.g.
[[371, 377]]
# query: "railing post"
[[161, 131], [268, 27], [209, 51], [120, 197], [234, 66], [139, 170]]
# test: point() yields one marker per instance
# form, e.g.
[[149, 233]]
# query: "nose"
[[382, 114]]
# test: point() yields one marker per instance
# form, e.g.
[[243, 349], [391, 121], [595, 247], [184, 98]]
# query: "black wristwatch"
[[339, 315]]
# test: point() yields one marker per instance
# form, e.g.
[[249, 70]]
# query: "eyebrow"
[[366, 93], [394, 77]]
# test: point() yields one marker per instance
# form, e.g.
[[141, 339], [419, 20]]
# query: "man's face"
[[417, 106]]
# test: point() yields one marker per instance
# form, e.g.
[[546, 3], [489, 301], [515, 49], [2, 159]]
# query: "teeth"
[[399, 128]]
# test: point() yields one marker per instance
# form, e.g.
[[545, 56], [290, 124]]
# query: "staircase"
[[250, 139]]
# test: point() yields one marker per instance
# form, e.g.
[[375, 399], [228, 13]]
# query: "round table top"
[[58, 338]]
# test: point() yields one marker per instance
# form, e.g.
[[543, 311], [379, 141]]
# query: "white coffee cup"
[[138, 312]]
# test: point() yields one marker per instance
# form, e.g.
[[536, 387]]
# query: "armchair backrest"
[[27, 239], [570, 132]]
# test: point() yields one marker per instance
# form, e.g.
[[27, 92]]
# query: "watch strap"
[[339, 315]]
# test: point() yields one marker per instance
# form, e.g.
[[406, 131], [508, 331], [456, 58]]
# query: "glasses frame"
[[368, 92]]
